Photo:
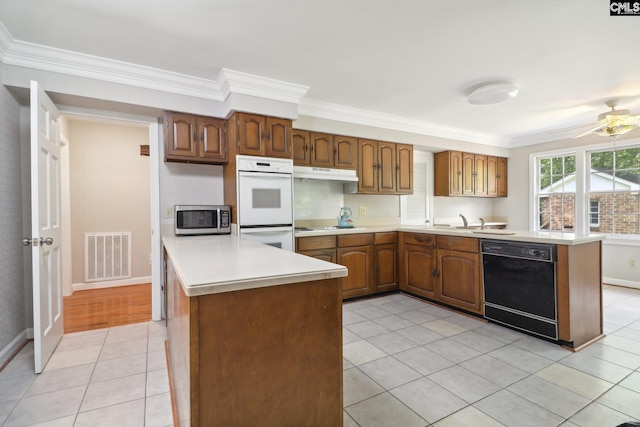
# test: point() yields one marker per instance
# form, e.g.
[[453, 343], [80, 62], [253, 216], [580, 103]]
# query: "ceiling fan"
[[613, 123]]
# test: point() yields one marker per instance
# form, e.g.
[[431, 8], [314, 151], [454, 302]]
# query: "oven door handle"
[[265, 175], [256, 230]]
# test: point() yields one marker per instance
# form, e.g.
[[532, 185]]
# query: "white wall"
[[12, 292]]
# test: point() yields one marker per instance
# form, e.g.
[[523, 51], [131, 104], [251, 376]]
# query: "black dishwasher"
[[520, 285]]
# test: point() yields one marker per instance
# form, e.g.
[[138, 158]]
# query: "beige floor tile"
[[574, 380], [46, 407], [115, 391], [120, 367], [81, 356], [468, 417], [444, 327], [158, 411], [384, 410], [129, 414]]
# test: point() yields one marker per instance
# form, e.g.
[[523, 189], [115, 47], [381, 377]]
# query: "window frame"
[[581, 195], [596, 213]]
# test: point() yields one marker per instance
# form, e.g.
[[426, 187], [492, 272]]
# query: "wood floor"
[[103, 308]]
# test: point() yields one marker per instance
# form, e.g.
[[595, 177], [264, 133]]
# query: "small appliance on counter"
[[344, 220], [190, 220]]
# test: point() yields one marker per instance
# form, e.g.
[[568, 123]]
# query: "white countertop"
[[513, 235], [215, 264]]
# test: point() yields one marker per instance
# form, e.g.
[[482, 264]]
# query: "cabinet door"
[[346, 152], [212, 139], [251, 134], [385, 261], [386, 167], [502, 177], [328, 255], [492, 176], [358, 260], [367, 166], [321, 150], [455, 173], [459, 280], [480, 175], [404, 168], [468, 176], [418, 270], [278, 138], [301, 147], [180, 137]]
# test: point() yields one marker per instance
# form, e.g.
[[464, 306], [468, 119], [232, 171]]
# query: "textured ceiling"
[[414, 59]]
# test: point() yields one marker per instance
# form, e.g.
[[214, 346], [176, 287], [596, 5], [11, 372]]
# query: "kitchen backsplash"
[[323, 200]]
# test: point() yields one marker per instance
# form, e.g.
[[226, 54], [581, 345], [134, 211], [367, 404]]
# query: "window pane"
[[626, 224], [601, 180], [627, 180], [569, 165], [568, 212], [545, 167], [628, 158], [545, 182], [602, 160], [625, 203], [543, 213], [600, 207]]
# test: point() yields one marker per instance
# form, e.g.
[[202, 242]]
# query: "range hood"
[[313, 172]]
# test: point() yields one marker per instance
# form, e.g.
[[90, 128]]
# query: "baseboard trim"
[[110, 283], [620, 282], [8, 353]]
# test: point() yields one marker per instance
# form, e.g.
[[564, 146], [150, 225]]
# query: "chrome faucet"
[[464, 221], [482, 223]]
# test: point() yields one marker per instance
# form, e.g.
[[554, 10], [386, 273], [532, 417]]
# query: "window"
[[594, 213], [555, 192], [614, 182]]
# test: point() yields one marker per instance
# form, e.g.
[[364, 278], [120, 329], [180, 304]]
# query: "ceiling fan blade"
[[600, 126], [570, 128]]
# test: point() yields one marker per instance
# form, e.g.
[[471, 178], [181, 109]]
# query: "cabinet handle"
[[195, 135], [202, 137], [433, 274], [305, 148], [312, 146]]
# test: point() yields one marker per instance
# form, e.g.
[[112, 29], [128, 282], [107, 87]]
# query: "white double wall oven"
[[265, 200]]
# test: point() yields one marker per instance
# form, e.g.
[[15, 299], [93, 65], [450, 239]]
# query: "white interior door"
[[45, 226]]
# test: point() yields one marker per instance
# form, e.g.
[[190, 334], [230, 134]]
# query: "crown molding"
[[5, 41], [341, 113], [230, 81]]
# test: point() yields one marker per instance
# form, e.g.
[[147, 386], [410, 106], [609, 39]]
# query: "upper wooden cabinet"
[[257, 135], [385, 167], [467, 174], [194, 139], [324, 150]]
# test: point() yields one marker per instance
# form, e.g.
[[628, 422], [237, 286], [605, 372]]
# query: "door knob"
[[26, 241], [48, 241]]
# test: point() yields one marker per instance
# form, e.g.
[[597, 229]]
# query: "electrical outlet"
[[168, 213], [363, 210], [633, 263]]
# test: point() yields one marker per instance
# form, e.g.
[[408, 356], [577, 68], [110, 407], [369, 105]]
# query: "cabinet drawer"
[[385, 238], [319, 242], [427, 240], [354, 240], [463, 244]]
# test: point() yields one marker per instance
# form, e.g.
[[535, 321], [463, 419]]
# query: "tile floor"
[[406, 363], [106, 377]]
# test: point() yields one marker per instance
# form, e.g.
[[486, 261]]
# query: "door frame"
[[153, 125]]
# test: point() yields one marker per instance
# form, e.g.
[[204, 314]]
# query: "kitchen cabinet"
[[443, 268], [417, 264], [404, 168], [195, 139], [468, 174], [372, 259], [385, 262], [257, 135], [379, 169], [324, 150], [458, 272], [354, 252], [346, 152]]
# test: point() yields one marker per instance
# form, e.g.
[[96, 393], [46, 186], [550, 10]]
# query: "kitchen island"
[[446, 266], [254, 334]]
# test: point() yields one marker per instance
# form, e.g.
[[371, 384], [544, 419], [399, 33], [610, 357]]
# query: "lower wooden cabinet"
[[445, 269], [371, 258]]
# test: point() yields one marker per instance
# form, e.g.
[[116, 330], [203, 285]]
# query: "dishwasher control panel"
[[534, 251]]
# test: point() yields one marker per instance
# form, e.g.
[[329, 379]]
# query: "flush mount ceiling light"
[[492, 93]]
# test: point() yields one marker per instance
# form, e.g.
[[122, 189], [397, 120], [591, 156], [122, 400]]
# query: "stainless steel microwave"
[[202, 219]]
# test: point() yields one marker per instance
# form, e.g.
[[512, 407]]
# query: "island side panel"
[[579, 284], [180, 310], [272, 356]]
